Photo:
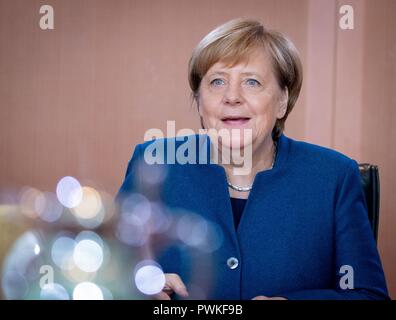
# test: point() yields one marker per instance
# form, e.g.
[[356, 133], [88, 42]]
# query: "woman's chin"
[[231, 139], [237, 143]]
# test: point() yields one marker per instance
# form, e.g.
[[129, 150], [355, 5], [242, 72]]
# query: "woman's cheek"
[[259, 128]]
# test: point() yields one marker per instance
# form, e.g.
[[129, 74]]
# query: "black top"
[[238, 205]]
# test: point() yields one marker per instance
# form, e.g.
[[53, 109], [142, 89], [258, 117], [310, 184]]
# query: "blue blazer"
[[304, 232]]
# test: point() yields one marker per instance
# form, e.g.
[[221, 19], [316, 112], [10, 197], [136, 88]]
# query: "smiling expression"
[[243, 96]]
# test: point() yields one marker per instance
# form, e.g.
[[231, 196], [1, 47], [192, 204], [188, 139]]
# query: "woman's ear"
[[284, 99], [196, 98]]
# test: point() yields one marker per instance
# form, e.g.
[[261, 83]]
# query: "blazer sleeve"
[[173, 258], [354, 248], [132, 179]]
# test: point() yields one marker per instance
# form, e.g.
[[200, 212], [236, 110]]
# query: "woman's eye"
[[252, 82], [217, 82]]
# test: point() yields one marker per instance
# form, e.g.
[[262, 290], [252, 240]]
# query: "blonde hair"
[[233, 42]]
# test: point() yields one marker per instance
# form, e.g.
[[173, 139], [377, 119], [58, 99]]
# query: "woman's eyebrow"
[[222, 73], [251, 74]]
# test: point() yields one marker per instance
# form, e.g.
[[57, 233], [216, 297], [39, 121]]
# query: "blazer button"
[[232, 263]]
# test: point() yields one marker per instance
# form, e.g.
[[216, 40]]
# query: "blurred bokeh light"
[[149, 277], [76, 243], [69, 192]]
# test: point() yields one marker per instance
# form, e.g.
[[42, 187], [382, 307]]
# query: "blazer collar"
[[210, 182], [283, 146]]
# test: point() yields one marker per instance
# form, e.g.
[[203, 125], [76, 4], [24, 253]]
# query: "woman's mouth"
[[235, 121]]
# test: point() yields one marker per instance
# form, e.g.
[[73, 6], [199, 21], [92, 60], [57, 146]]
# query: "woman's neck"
[[262, 159]]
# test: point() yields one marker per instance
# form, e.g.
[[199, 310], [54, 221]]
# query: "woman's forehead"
[[256, 63]]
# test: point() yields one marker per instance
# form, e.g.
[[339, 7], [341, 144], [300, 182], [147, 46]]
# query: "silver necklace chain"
[[248, 188]]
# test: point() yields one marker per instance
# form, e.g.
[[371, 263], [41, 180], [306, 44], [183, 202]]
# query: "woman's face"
[[245, 96]]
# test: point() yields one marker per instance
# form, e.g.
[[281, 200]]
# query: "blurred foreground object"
[[75, 244]]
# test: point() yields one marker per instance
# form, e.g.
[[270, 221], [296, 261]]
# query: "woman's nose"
[[232, 95]]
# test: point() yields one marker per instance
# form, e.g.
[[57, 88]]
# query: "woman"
[[295, 224]]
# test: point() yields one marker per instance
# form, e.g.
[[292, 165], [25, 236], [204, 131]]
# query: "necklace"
[[248, 188]]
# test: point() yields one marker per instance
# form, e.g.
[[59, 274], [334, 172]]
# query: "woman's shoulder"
[[167, 150], [319, 156], [177, 140]]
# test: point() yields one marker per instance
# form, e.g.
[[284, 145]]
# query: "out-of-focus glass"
[[78, 244]]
